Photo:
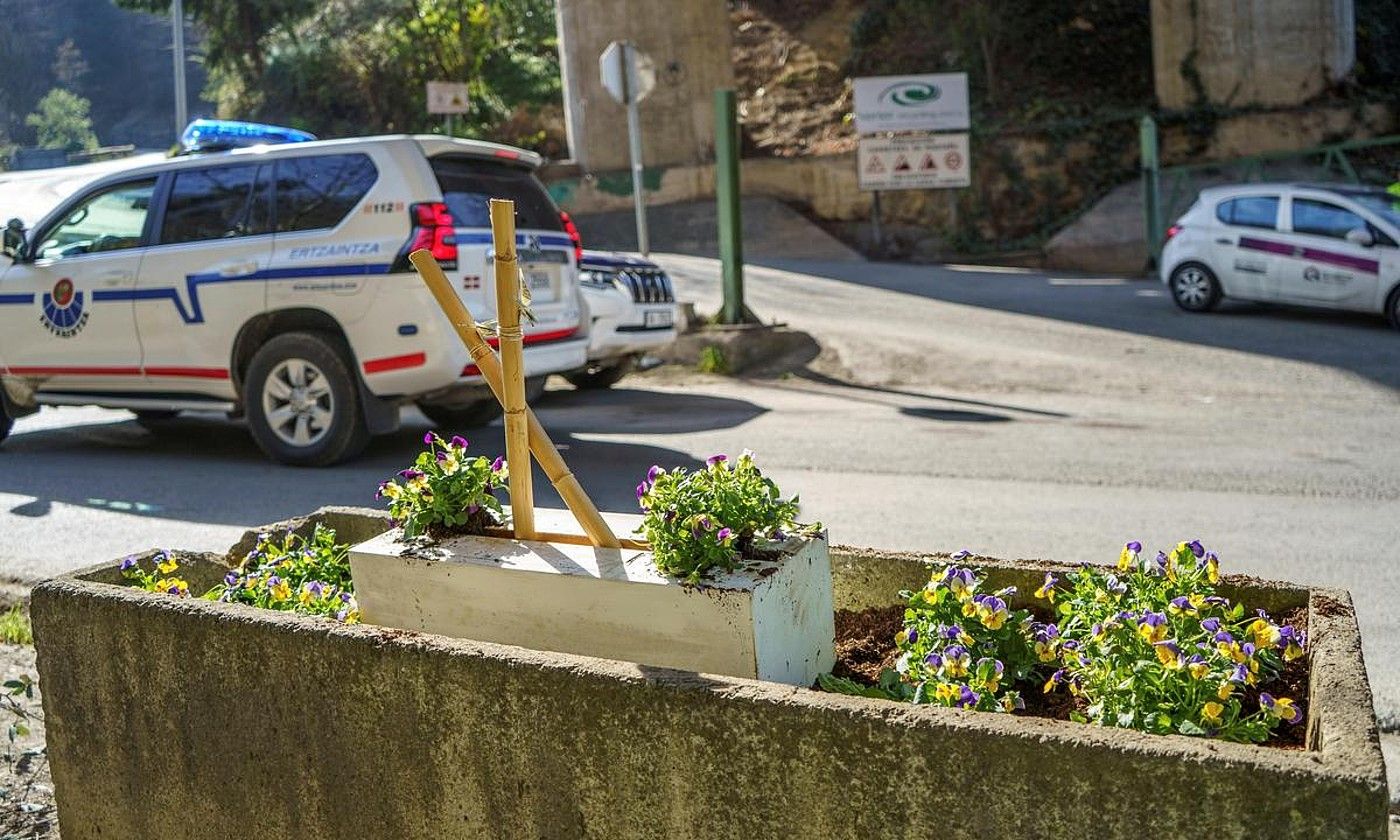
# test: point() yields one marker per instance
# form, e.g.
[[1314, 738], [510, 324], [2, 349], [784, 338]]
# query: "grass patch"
[[14, 626], [712, 361]]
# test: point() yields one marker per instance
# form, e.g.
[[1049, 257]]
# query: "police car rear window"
[[318, 191], [469, 184], [217, 203]]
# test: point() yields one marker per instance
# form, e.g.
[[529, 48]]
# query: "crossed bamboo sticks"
[[505, 376]]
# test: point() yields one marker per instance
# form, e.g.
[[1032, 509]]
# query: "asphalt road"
[[1013, 413]]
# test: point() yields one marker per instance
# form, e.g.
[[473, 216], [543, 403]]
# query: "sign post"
[[629, 76], [731, 240], [448, 98]]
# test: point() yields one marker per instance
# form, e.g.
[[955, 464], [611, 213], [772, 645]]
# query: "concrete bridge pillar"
[[1250, 52], [688, 40]]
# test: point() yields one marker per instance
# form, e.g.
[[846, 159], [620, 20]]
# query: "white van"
[[273, 282]]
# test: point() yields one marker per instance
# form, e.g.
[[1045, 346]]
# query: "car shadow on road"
[[1362, 344], [204, 468]]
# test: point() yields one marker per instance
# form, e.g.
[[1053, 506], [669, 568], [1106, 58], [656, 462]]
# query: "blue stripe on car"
[[194, 314]]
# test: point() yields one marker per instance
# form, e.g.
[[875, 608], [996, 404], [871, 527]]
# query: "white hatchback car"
[[272, 281], [1325, 245]]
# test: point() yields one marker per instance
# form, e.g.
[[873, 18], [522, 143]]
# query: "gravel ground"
[[26, 790]]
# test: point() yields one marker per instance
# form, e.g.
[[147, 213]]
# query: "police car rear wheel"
[[5, 424], [301, 401], [1194, 287]]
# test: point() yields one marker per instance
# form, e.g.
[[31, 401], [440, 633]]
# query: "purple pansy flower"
[[962, 555], [128, 564], [715, 460], [1196, 548], [1134, 546], [428, 438], [460, 442]]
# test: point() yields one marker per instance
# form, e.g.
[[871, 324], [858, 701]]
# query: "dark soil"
[[865, 647], [865, 642]]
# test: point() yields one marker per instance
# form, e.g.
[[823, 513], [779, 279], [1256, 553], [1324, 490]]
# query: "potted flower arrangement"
[[727, 581]]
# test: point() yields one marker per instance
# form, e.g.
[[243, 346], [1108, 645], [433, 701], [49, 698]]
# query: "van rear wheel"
[[301, 401]]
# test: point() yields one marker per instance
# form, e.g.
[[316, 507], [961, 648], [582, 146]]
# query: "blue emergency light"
[[217, 135]]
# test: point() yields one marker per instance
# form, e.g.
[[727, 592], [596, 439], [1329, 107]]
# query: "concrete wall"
[[1250, 52], [688, 40], [172, 718]]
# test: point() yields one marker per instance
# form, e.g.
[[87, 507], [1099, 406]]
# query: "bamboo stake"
[[485, 359], [522, 491]]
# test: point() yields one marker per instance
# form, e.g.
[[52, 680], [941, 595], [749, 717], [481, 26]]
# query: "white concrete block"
[[770, 620]]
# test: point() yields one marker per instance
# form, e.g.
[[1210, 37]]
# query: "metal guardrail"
[[1340, 158]]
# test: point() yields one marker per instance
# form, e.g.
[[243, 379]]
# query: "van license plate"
[[659, 318]]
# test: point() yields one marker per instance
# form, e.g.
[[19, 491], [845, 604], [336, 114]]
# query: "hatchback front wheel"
[[1194, 287]]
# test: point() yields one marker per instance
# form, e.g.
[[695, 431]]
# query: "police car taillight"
[[1172, 231], [433, 229], [572, 230]]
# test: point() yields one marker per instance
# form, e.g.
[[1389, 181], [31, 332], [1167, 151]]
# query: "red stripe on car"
[[408, 360]]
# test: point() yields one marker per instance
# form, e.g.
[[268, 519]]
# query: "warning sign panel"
[[923, 162]]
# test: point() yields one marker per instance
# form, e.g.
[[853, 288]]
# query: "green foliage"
[[353, 67], [15, 628], [61, 121], [285, 572], [712, 360], [20, 714], [161, 577], [291, 573], [445, 490], [707, 519], [1156, 648], [1151, 647]]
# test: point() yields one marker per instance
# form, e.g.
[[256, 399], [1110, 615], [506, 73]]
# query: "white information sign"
[[447, 98], [914, 163], [929, 102], [628, 74]]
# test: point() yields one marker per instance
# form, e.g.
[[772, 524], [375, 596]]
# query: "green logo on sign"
[[910, 94]]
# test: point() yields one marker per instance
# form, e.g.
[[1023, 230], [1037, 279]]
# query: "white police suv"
[[1326, 245], [266, 274]]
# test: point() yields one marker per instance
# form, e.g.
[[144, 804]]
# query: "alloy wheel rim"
[[1192, 287], [298, 403]]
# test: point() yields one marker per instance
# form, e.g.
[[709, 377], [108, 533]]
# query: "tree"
[[68, 64], [61, 122]]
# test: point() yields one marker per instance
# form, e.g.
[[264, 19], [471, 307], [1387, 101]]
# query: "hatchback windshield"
[[1386, 206]]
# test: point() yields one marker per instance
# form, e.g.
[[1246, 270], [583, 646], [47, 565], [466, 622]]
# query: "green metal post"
[[731, 242], [1151, 187]]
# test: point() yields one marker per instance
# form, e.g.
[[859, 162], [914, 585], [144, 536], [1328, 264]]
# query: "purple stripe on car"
[[1361, 264], [1344, 260], [1249, 243]]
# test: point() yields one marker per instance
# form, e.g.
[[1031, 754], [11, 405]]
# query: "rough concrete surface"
[[178, 718]]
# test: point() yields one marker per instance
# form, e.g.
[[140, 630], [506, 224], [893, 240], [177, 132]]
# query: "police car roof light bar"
[[204, 135]]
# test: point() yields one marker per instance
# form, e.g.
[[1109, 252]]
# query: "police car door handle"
[[238, 269], [1223, 240], [114, 278]]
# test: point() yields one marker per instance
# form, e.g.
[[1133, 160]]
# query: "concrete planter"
[[770, 620], [171, 718]]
